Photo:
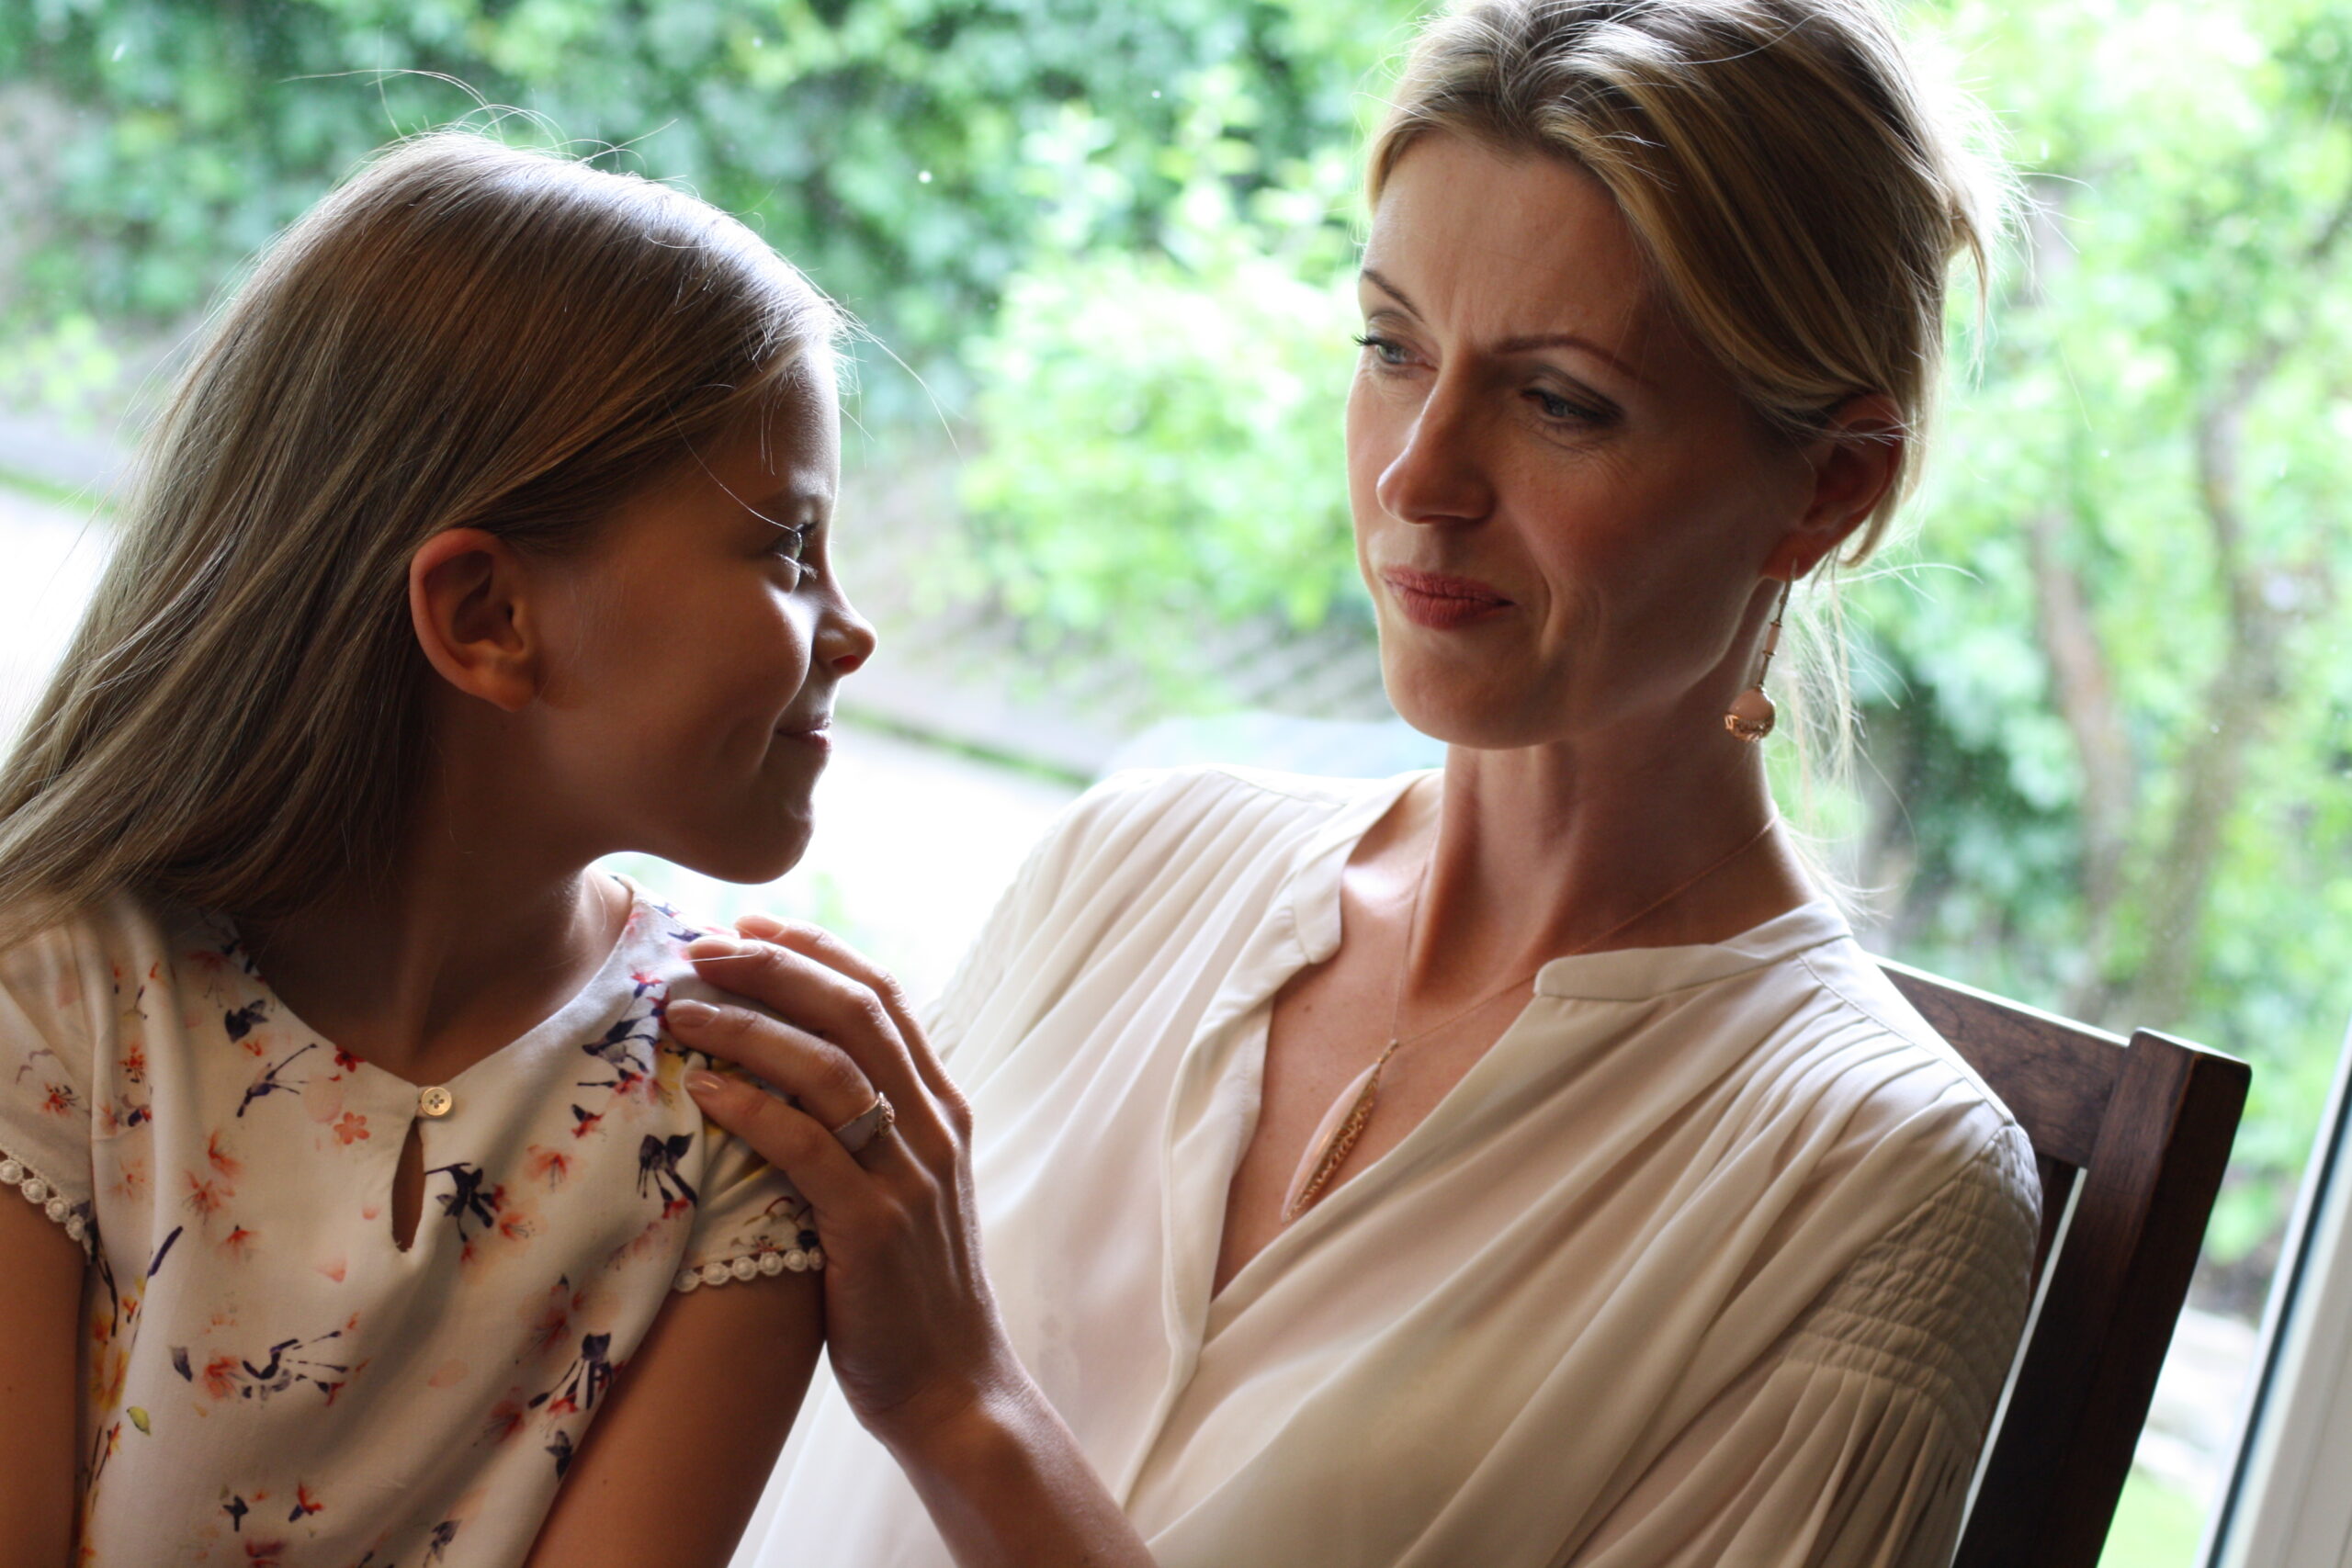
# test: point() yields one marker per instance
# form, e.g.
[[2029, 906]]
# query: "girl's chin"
[[749, 854]]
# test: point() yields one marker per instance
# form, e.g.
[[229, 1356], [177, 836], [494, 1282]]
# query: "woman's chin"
[[1479, 714]]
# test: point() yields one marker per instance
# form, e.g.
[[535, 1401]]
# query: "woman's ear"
[[468, 602], [1853, 463]]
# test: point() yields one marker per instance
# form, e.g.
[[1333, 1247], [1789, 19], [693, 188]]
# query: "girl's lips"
[[1432, 599], [818, 735]]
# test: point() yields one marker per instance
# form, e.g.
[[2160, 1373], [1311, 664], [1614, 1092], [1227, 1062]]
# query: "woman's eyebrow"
[[1569, 340], [1374, 278], [1519, 344]]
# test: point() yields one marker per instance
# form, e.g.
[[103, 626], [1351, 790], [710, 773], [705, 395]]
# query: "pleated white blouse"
[[1718, 1255]]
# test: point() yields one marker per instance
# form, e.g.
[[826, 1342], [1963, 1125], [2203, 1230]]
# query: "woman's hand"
[[909, 1323], [912, 1329]]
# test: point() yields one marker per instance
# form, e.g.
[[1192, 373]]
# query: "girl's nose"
[[844, 639]]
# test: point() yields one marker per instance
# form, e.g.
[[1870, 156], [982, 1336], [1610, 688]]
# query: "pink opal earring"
[[1752, 714]]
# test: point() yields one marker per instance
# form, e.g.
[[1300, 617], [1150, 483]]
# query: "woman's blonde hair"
[[1800, 198], [464, 335]]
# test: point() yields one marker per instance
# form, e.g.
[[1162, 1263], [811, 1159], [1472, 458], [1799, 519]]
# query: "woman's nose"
[[845, 639], [1439, 475]]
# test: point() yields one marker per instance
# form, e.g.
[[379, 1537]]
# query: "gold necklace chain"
[[1343, 1138]]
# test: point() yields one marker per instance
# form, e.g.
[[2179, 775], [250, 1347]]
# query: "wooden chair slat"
[[2054, 1076], [2145, 1129]]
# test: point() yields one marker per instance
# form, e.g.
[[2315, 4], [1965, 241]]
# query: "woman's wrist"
[[953, 1427], [1007, 1485]]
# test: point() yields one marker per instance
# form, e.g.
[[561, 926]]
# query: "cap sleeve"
[[45, 1062], [749, 1220]]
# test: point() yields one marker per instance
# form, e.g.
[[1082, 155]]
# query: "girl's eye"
[[791, 543], [1388, 351]]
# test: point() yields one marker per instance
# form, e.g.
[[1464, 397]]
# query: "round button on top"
[[436, 1101]]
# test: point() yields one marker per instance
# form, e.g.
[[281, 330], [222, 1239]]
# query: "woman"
[[1518, 1165]]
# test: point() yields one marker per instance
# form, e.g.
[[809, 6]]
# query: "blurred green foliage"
[[1160, 448], [2108, 686], [2124, 734], [2156, 1526], [910, 153]]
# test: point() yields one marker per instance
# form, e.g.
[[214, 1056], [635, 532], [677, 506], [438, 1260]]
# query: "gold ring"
[[868, 1125]]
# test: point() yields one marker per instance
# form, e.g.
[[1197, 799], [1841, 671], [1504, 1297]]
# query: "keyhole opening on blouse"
[[408, 1187]]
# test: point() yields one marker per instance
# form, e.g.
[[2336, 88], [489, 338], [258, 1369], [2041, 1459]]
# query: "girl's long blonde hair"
[[464, 335]]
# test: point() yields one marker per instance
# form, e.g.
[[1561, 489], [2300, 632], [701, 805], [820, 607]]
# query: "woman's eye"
[[1388, 351], [1555, 406]]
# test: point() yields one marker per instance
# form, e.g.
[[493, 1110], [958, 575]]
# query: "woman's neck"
[[483, 928], [1540, 852]]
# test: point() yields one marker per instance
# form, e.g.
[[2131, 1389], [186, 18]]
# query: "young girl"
[[363, 1206]]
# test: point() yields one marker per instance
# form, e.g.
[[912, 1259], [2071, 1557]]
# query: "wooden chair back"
[[2131, 1139]]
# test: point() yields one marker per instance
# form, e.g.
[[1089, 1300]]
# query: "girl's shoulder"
[[58, 981], [70, 990]]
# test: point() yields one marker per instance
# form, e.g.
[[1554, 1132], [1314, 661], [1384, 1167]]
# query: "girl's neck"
[[482, 930]]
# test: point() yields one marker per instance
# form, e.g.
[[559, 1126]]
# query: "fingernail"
[[714, 947], [690, 1012], [702, 1085]]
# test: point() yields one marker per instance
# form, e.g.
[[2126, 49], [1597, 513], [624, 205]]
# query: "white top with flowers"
[[271, 1379]]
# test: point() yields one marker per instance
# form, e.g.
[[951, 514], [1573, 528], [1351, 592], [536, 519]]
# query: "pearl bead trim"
[[43, 1195], [751, 1265]]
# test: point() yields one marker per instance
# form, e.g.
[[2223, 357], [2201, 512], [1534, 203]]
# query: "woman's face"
[[1563, 508], [694, 648]]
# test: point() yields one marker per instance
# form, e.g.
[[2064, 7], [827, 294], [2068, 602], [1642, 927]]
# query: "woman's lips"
[[1433, 599]]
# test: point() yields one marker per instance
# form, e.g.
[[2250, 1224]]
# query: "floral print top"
[[270, 1378]]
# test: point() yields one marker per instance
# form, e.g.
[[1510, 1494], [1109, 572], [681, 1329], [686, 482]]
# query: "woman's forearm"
[[911, 1326], [1007, 1487]]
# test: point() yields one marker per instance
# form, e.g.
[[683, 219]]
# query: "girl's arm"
[[40, 1302], [911, 1326], [673, 1466]]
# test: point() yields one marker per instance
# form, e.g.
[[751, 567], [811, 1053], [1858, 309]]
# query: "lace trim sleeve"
[[77, 1219], [765, 1260]]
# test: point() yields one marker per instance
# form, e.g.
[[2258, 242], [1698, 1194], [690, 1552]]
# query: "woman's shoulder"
[[1894, 1083], [1201, 812], [1215, 791]]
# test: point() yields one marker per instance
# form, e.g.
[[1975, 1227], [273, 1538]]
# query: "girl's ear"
[[468, 600], [1854, 462]]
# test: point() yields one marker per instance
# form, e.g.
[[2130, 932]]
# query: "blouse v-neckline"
[[1308, 911]]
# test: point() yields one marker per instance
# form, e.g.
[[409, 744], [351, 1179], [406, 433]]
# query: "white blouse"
[[1718, 1255], [269, 1378]]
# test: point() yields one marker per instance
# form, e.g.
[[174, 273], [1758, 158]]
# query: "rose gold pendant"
[[1336, 1138]]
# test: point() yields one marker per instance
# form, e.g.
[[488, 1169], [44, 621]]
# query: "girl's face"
[[693, 651], [1563, 508]]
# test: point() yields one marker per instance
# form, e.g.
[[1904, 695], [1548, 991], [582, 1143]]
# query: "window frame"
[[2277, 1509]]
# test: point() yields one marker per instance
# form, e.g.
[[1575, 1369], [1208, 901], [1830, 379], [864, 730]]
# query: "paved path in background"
[[49, 557]]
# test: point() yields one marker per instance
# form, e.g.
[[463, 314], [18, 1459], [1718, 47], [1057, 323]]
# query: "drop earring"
[[1752, 714]]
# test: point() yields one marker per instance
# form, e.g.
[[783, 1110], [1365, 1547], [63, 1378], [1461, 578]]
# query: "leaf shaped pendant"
[[1336, 1138]]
